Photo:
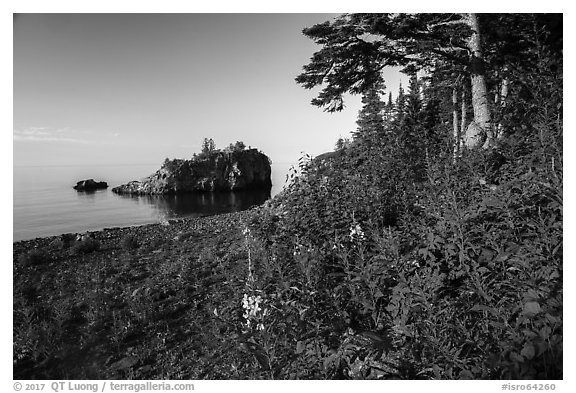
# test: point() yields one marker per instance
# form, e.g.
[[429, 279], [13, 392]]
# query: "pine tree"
[[388, 113], [370, 118], [205, 146], [208, 146], [412, 137], [349, 62], [400, 106], [413, 105]]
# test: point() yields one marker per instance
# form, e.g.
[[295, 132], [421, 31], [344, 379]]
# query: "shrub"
[[455, 276], [85, 246], [35, 257]]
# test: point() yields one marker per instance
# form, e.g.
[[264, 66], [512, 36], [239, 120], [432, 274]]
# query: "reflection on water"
[[90, 193], [200, 204], [44, 203]]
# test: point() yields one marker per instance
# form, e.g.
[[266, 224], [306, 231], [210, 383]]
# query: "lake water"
[[45, 204]]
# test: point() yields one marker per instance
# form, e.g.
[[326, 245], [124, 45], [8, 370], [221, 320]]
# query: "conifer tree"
[[413, 105], [412, 138], [208, 146], [205, 146], [355, 47], [388, 113], [400, 106], [370, 118]]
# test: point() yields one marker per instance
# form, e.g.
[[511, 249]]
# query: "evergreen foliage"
[[238, 146], [370, 119], [208, 146]]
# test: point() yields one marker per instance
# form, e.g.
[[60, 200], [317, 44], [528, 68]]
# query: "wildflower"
[[297, 249], [337, 246], [414, 263], [253, 312], [356, 232]]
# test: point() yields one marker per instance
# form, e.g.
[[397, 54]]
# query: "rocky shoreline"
[[94, 305], [148, 232]]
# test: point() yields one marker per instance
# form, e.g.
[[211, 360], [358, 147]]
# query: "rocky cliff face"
[[219, 171]]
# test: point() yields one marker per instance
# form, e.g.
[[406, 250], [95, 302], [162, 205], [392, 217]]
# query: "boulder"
[[90, 185], [475, 136], [217, 171]]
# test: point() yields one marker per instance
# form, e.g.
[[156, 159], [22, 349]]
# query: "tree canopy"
[[488, 50]]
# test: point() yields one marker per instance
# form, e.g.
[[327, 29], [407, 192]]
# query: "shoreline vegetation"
[[428, 246]]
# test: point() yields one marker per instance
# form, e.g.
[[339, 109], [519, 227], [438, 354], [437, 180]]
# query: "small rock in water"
[[90, 185]]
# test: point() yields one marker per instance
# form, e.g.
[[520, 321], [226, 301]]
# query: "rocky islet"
[[90, 185], [217, 171]]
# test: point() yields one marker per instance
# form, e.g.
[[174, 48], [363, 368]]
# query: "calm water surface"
[[45, 203]]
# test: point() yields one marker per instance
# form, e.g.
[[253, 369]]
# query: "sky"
[[139, 88]]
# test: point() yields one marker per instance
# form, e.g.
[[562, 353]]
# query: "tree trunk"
[[479, 131], [463, 112], [502, 102], [456, 151]]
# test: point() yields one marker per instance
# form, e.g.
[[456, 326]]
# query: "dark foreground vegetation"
[[403, 254]]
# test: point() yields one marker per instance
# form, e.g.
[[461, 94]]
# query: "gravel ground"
[[139, 305]]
